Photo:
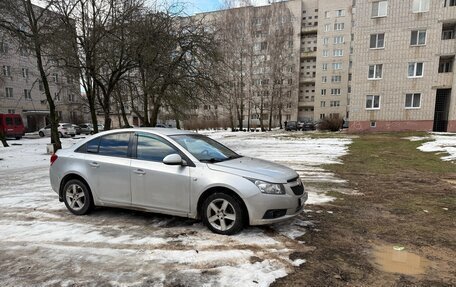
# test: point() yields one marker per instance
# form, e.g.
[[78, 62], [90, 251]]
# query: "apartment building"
[[318, 59], [21, 90], [403, 66]]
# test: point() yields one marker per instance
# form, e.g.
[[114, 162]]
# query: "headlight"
[[269, 188]]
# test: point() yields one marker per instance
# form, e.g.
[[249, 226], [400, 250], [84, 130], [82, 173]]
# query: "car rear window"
[[67, 126], [114, 145], [17, 121]]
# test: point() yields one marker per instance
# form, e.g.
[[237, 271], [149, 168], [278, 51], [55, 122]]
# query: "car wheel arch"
[[69, 177], [221, 189]]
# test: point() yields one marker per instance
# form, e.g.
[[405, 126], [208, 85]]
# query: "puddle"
[[390, 260]]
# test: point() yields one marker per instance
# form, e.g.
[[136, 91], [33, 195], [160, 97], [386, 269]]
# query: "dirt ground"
[[408, 198]]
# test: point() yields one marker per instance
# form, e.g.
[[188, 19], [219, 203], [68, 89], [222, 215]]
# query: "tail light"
[[54, 157]]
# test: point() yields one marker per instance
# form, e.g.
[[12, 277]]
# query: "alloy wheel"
[[221, 214], [75, 197]]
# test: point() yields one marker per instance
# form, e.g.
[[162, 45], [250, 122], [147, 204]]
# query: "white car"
[[175, 172], [64, 129]]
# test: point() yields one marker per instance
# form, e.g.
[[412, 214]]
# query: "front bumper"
[[289, 204]]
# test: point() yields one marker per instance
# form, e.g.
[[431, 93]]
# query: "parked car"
[[87, 128], [175, 172], [11, 125], [77, 129], [64, 129], [160, 126], [291, 126], [307, 126]]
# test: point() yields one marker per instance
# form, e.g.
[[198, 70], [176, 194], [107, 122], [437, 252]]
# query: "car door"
[[155, 184], [108, 164], [47, 130]]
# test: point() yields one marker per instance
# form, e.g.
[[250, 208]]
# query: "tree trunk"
[[124, 114], [271, 109], [154, 115], [3, 139]]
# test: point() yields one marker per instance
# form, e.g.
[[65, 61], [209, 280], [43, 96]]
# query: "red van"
[[12, 126]]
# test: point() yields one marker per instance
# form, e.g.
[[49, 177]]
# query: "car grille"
[[298, 189]]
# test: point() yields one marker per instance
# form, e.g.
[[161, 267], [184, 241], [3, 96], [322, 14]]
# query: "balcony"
[[309, 30], [305, 80], [448, 13], [443, 81], [308, 54]]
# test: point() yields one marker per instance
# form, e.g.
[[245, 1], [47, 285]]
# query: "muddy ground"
[[408, 199]]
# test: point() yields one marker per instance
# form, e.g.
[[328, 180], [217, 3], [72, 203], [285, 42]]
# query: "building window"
[[377, 41], [340, 13], [324, 67], [25, 73], [336, 79], [413, 101], [325, 41], [415, 70], [418, 38], [350, 77], [27, 94], [448, 33], [450, 3], [257, 21], [372, 102], [3, 47], [375, 72], [11, 111], [7, 71], [324, 79], [322, 116], [327, 14], [379, 9], [57, 97], [9, 92], [334, 103], [446, 64], [337, 66], [335, 92], [338, 52], [71, 97], [373, 124], [339, 40], [349, 89], [323, 92], [339, 26], [325, 53], [420, 6], [55, 78], [327, 27], [322, 104]]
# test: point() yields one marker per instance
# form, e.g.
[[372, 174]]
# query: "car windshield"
[[205, 149]]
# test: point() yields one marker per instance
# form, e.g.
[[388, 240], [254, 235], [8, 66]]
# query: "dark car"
[[291, 126], [308, 126]]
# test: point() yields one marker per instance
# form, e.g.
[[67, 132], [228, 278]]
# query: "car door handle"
[[94, 164], [139, 171]]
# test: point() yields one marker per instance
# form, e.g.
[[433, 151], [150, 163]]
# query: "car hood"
[[255, 168]]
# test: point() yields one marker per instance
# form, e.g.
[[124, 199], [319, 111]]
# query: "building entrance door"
[[442, 107]]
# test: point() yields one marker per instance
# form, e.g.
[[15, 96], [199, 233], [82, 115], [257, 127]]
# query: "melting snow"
[[42, 243]]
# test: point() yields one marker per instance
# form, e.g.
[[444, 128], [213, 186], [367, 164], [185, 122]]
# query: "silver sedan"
[[175, 172]]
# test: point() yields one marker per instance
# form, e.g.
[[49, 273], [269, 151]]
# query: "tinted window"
[[114, 145], [17, 121], [92, 146], [9, 121], [152, 148]]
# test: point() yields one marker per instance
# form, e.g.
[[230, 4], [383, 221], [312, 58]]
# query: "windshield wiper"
[[233, 157], [211, 160]]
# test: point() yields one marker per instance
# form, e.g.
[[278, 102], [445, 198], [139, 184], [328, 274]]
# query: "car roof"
[[160, 131]]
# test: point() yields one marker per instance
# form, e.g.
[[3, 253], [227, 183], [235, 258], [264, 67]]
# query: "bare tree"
[[34, 27]]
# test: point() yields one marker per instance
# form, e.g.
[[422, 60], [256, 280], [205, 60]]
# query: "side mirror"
[[173, 159]]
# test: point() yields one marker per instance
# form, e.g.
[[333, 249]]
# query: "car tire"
[[41, 134], [77, 197], [223, 214]]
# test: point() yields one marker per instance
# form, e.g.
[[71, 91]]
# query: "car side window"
[[17, 121], [9, 121], [153, 148], [114, 145]]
